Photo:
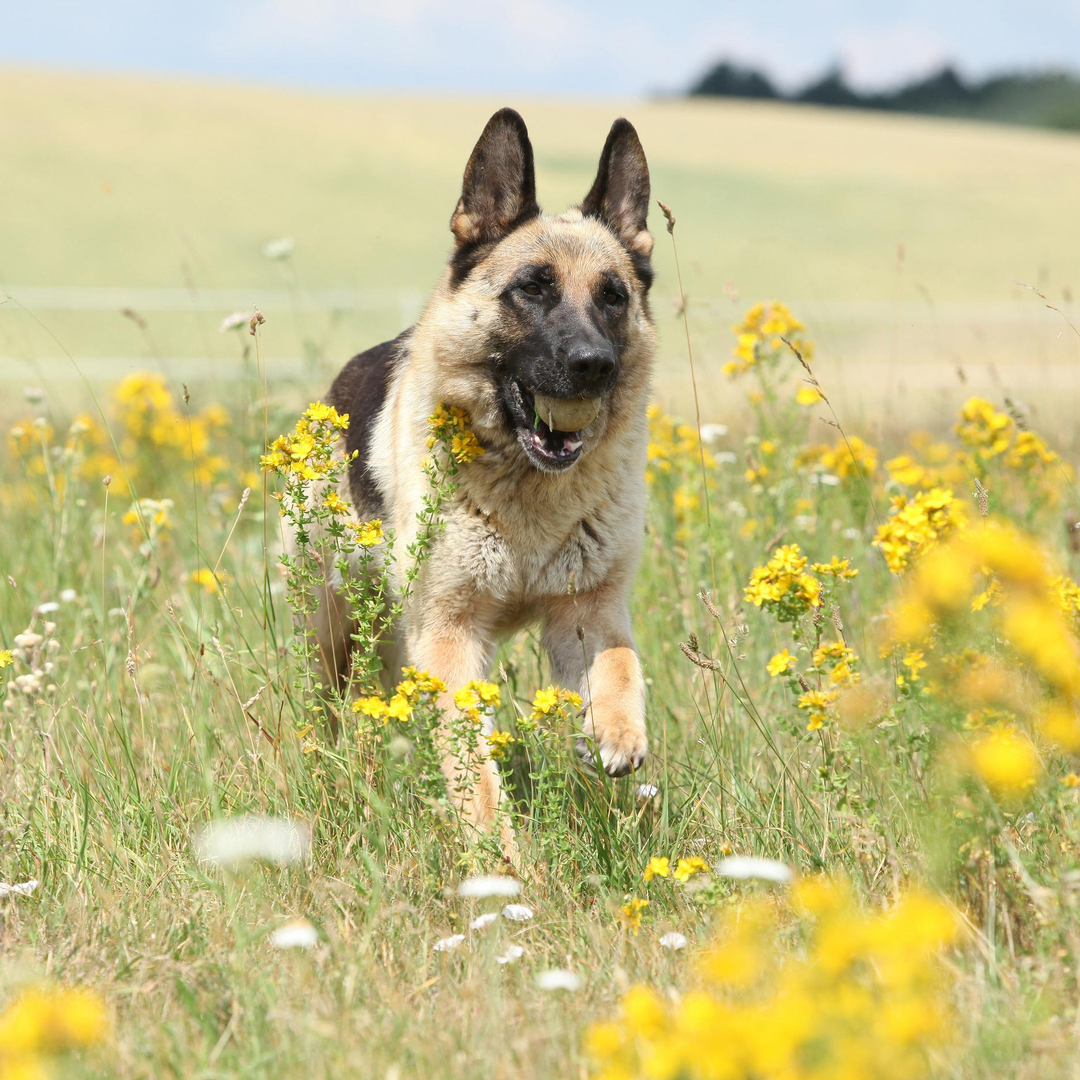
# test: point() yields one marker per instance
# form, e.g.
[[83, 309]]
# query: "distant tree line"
[[1047, 99]]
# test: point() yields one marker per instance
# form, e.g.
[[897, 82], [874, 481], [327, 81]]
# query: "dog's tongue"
[[557, 442], [570, 416]]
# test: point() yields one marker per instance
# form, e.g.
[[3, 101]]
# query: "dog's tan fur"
[[520, 545]]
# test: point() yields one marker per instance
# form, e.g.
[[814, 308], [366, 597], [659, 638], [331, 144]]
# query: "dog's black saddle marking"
[[360, 390]]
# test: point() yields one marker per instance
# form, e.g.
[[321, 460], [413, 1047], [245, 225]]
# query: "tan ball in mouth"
[[562, 415]]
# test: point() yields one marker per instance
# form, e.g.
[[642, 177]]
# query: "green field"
[[164, 193], [860, 677]]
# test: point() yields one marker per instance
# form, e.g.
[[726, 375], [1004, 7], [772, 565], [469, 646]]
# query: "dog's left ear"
[[498, 191], [619, 196]]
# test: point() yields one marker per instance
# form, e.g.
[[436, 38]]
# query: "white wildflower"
[[447, 943], [68, 595], [483, 920], [647, 791], [673, 940], [233, 841], [749, 866], [513, 952], [517, 913], [281, 248], [295, 934], [491, 885], [234, 321], [48, 607], [711, 434], [558, 979], [22, 888]]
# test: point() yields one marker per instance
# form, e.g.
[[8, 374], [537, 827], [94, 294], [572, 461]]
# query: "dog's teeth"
[[572, 445]]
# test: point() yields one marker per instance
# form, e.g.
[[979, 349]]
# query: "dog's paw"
[[619, 754]]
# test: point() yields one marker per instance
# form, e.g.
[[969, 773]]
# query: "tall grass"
[[171, 698]]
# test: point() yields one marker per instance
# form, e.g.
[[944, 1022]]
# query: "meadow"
[[900, 239], [853, 849]]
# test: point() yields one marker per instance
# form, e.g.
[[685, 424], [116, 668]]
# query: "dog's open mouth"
[[539, 422]]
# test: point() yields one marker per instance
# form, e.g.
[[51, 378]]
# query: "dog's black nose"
[[592, 367]]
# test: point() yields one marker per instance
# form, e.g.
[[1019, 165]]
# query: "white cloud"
[[410, 32]]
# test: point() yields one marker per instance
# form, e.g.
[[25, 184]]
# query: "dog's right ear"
[[498, 192]]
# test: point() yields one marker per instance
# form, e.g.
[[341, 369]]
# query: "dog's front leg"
[[592, 651], [458, 650]]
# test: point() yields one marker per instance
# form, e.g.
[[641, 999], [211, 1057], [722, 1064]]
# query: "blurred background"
[[905, 179]]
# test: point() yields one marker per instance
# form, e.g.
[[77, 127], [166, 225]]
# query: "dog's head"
[[550, 329]]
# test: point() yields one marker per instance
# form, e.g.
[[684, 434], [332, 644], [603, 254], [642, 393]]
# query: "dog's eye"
[[532, 289], [611, 297]]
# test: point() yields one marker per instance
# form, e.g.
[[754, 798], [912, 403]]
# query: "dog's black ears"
[[498, 191], [619, 196]]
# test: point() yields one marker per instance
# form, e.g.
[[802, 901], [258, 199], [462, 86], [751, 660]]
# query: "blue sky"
[[546, 46]]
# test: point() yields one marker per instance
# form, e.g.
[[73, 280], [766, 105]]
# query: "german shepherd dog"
[[540, 330]]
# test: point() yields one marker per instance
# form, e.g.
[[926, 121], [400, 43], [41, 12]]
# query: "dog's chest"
[[528, 559]]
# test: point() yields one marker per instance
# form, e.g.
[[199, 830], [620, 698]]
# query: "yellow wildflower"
[[916, 525], [336, 504], [48, 1022], [552, 702], [781, 663], [843, 674], [915, 663], [368, 533], [474, 696], [685, 869], [1059, 723], [868, 998], [817, 703], [1029, 449], [398, 708], [782, 586], [1006, 762], [211, 582], [657, 866], [832, 652], [759, 337], [425, 683], [307, 452], [684, 502], [464, 447], [837, 568], [499, 743], [983, 428], [373, 707], [544, 701], [631, 913], [846, 459], [451, 425]]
